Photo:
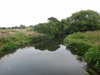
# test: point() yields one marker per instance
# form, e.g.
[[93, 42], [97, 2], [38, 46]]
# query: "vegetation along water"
[[82, 31]]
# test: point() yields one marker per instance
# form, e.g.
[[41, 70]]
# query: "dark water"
[[50, 58]]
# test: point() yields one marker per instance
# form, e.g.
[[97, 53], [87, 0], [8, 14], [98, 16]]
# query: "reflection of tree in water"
[[7, 52], [50, 45], [80, 58], [75, 52]]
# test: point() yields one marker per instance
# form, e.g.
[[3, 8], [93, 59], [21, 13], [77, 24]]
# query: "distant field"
[[7, 32]]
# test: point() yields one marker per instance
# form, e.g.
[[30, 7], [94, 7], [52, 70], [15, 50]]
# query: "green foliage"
[[53, 19], [77, 44], [30, 28], [41, 28], [9, 45], [13, 41], [64, 23], [52, 27], [89, 37], [92, 57], [22, 26], [42, 38], [21, 39], [85, 20], [87, 44]]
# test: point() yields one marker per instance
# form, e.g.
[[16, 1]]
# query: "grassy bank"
[[13, 38], [87, 45]]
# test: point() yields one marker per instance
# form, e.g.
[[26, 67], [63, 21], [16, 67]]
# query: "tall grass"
[[19, 37], [88, 45], [92, 56], [9, 45]]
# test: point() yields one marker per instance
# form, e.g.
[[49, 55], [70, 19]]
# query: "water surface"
[[50, 58]]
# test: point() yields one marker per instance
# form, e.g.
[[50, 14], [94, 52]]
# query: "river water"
[[49, 58]]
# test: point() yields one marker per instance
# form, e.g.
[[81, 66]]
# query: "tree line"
[[14, 27], [84, 20]]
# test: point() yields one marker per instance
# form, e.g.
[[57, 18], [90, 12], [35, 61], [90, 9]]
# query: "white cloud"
[[31, 12]]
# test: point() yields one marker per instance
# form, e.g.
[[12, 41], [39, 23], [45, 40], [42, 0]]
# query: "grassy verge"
[[13, 38], [88, 45]]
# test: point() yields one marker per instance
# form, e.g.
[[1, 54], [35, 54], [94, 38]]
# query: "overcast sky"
[[32, 12]]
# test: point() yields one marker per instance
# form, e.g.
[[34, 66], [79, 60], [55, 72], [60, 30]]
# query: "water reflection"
[[31, 61], [7, 52], [48, 58], [52, 45]]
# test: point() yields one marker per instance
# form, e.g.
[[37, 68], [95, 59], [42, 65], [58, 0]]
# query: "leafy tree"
[[56, 26], [41, 28], [84, 20], [31, 26], [64, 25], [22, 26], [52, 27], [53, 19]]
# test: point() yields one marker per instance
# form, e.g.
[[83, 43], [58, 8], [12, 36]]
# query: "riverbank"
[[87, 45], [13, 38]]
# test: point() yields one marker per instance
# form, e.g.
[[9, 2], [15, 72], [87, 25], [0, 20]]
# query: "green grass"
[[88, 45], [19, 37], [13, 41], [9, 45], [92, 56]]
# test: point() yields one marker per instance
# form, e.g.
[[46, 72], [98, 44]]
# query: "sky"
[[32, 12]]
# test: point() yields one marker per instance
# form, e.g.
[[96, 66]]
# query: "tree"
[[53, 19], [84, 20], [57, 27], [64, 25], [31, 26], [52, 27], [22, 26]]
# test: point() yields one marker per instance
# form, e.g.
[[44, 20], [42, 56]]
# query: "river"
[[49, 58]]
